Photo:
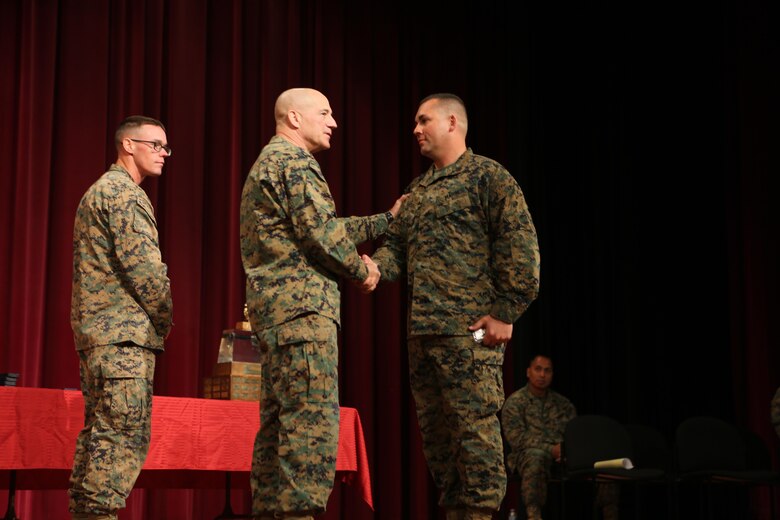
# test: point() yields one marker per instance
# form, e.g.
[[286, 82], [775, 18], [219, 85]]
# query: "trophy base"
[[234, 380], [244, 325]]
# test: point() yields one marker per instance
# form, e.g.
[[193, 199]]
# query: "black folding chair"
[[711, 452], [652, 450], [592, 438]]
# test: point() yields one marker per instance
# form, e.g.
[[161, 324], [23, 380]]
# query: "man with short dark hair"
[[467, 245], [533, 420], [120, 314]]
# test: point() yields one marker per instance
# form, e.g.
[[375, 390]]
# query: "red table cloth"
[[194, 441]]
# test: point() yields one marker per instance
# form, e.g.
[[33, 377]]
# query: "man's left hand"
[[496, 331]]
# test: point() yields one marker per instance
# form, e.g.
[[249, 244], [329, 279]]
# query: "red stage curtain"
[[644, 141], [211, 72]]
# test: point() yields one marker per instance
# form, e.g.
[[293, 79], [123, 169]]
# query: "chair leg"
[[704, 510], [637, 501], [709, 500], [563, 498], [554, 500]]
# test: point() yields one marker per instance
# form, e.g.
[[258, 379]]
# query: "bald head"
[[304, 117], [295, 99]]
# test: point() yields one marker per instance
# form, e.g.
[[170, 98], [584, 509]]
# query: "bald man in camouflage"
[[120, 315], [467, 245], [294, 250]]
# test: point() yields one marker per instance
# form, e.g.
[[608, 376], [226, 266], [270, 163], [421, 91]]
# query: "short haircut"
[[542, 355], [445, 96], [132, 122], [452, 101]]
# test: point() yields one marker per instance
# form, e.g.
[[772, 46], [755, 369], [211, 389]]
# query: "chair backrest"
[[591, 438], [651, 449], [708, 443], [756, 452]]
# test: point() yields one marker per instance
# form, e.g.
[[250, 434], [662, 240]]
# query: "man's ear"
[[453, 123], [294, 119], [128, 146]]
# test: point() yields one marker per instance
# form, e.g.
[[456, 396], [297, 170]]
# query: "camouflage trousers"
[[534, 467], [116, 381], [458, 390], [294, 457]]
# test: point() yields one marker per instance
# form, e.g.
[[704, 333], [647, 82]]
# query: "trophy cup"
[[237, 373]]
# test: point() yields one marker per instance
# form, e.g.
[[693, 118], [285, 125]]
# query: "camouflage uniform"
[[532, 426], [294, 250], [775, 413], [467, 245], [120, 314]]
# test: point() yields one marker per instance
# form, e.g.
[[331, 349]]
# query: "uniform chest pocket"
[[457, 202]]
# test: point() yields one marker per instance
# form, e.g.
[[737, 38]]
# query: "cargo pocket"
[[127, 372], [126, 403], [309, 351], [488, 363]]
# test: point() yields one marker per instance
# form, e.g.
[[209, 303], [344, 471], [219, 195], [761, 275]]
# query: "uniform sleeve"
[[135, 239], [568, 413], [324, 238], [362, 229], [391, 255], [514, 250]]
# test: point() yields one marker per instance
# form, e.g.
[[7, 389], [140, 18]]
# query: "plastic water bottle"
[[512, 515]]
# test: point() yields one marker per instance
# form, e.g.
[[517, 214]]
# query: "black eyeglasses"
[[156, 145]]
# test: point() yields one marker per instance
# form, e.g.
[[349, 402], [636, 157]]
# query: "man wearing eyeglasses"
[[120, 315]]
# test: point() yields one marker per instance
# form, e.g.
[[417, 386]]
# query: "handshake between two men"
[[492, 331], [372, 280]]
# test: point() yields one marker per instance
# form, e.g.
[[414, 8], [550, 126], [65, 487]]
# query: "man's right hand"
[[369, 284], [397, 206], [556, 452]]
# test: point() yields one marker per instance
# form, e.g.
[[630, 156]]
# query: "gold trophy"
[[237, 373], [245, 325]]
